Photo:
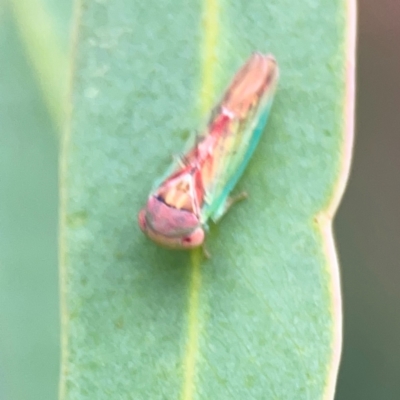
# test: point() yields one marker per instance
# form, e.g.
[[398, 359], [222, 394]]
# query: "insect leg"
[[230, 201], [205, 251]]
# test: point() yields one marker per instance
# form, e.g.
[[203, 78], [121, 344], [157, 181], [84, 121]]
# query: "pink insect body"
[[197, 187]]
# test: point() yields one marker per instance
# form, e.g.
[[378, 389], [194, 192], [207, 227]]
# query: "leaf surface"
[[29, 308], [261, 319]]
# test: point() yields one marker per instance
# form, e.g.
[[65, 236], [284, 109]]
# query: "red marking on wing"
[[198, 165], [185, 188]]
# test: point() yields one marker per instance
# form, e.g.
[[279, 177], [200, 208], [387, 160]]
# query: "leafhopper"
[[197, 186]]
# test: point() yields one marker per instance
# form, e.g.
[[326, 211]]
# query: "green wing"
[[232, 156]]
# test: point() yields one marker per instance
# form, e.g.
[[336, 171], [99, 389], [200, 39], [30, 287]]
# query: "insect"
[[197, 186]]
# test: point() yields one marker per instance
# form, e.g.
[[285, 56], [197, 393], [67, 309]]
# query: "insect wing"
[[245, 105]]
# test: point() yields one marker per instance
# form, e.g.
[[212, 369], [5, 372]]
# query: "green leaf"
[[29, 307], [30, 54], [42, 33], [261, 319]]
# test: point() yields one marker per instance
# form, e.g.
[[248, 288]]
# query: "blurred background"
[[367, 224]]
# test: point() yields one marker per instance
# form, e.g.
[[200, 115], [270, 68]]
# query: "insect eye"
[[186, 240]]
